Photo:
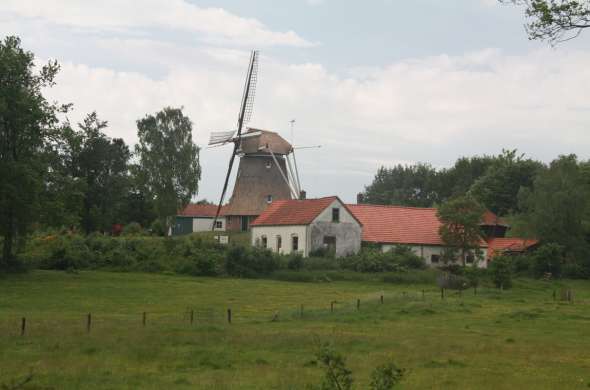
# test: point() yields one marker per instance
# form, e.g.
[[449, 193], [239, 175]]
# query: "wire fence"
[[228, 316]]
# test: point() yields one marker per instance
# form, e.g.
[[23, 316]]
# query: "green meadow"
[[518, 338]]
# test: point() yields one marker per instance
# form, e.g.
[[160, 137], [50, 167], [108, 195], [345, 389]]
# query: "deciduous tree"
[[168, 160]]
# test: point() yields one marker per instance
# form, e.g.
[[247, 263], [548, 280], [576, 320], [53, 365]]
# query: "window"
[[263, 242], [469, 258], [335, 214], [218, 225], [434, 259], [279, 243], [295, 243], [330, 243], [269, 199], [268, 164]]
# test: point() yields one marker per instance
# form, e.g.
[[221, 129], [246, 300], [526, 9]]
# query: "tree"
[[407, 185], [102, 165], [498, 188], [460, 224], [168, 160], [458, 179], [558, 206], [555, 20], [28, 126]]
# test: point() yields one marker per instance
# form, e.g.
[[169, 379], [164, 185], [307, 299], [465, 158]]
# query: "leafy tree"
[[458, 179], [558, 206], [168, 160], [501, 269], [28, 126], [555, 20], [407, 185], [460, 224], [498, 188]]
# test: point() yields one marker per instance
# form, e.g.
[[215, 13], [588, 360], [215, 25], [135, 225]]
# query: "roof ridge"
[[390, 206]]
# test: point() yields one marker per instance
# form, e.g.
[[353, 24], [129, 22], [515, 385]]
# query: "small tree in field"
[[460, 218]]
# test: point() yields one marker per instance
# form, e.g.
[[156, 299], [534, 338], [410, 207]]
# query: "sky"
[[374, 82]]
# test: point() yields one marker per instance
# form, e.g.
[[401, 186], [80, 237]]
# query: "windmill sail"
[[244, 116], [221, 137]]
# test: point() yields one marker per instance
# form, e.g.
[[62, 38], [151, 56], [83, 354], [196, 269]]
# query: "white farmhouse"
[[306, 225]]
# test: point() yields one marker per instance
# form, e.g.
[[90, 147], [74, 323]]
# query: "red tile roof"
[[509, 244], [490, 218], [398, 224], [294, 211], [200, 210]]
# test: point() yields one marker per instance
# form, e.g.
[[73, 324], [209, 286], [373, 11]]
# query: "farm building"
[[197, 218], [306, 225], [510, 245]]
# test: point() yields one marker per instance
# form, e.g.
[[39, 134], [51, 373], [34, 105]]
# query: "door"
[[245, 223]]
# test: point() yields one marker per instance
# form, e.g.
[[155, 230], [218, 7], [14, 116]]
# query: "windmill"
[[265, 172]]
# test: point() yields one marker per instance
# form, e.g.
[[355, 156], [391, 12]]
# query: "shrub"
[[250, 262], [501, 271], [321, 263], [453, 282], [386, 376], [374, 260], [337, 375], [406, 257], [132, 229], [295, 261]]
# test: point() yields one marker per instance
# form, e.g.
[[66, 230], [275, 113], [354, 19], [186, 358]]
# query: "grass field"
[[518, 338]]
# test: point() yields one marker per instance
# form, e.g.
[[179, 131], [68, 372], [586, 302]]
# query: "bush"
[[250, 262], [453, 282], [501, 271], [132, 229], [295, 261], [374, 260], [321, 263], [386, 376]]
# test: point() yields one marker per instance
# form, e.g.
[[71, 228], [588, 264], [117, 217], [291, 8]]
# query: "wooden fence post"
[[23, 325], [358, 304], [88, 322], [382, 299], [442, 293], [192, 316], [143, 318], [554, 294], [332, 307], [229, 316]]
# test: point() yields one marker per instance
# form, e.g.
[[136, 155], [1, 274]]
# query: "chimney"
[[360, 198], [302, 194]]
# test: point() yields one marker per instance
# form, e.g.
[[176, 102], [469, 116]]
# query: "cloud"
[[212, 24], [431, 109]]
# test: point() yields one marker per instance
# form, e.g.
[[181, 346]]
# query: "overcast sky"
[[374, 82]]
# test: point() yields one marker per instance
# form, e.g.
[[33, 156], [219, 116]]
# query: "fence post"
[[442, 293], [358, 304], [554, 294], [192, 316], [23, 325], [382, 299], [229, 316], [88, 322], [332, 307], [143, 318]]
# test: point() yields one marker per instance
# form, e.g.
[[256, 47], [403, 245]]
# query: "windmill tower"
[[265, 172]]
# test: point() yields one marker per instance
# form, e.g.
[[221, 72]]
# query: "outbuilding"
[[307, 225], [197, 218]]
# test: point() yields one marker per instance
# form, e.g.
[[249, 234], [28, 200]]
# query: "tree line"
[[55, 174]]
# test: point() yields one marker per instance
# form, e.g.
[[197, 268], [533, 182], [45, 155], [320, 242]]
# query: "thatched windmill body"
[[267, 169]]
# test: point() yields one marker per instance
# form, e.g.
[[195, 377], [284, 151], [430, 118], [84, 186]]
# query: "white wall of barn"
[[427, 251], [286, 233], [204, 224]]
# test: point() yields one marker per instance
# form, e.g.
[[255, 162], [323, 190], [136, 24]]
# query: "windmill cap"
[[264, 141]]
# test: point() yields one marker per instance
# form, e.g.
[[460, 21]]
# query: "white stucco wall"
[[347, 231], [426, 252], [345, 216], [286, 232], [204, 224]]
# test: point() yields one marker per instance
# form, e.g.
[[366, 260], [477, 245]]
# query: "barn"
[[197, 218]]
